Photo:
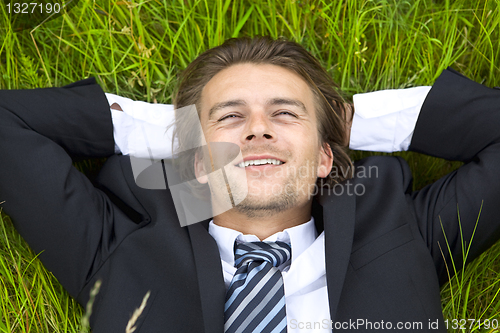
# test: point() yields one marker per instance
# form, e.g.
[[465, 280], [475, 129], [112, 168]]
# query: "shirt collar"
[[300, 237]]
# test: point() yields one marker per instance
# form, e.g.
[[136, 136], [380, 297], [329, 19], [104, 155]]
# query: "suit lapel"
[[210, 278], [338, 218]]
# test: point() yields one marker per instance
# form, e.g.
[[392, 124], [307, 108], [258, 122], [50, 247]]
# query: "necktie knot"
[[275, 253]]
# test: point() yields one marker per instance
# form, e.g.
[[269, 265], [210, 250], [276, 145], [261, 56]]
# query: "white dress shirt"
[[383, 121]]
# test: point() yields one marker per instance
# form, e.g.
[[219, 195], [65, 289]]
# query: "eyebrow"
[[273, 101], [226, 104], [287, 101]]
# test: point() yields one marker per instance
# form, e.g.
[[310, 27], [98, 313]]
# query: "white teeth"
[[259, 162]]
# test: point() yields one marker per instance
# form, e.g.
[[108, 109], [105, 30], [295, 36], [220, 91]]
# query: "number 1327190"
[[471, 323], [32, 8]]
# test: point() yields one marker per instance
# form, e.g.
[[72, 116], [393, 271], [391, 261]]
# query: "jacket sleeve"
[[459, 120], [53, 206]]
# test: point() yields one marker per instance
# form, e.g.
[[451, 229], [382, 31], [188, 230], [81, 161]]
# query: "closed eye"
[[228, 116], [286, 113]]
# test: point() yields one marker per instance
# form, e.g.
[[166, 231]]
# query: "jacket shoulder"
[[383, 171]]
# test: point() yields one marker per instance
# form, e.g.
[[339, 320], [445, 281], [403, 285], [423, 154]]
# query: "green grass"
[[137, 48]]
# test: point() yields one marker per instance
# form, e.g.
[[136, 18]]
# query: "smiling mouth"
[[262, 162]]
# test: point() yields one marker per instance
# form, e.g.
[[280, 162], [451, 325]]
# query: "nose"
[[259, 128]]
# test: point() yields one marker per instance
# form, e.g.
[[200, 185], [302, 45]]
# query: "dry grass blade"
[[137, 313]]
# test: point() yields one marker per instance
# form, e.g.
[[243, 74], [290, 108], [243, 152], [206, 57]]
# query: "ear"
[[325, 160], [199, 169]]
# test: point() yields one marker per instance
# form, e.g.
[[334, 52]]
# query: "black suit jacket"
[[383, 248]]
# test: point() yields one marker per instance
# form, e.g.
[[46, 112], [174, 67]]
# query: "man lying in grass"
[[300, 240]]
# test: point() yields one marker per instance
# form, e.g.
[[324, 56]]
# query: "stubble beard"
[[256, 205]]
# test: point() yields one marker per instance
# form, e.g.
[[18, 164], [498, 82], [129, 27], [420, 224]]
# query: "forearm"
[[75, 117], [459, 119]]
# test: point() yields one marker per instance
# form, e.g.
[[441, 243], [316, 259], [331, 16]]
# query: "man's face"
[[269, 112]]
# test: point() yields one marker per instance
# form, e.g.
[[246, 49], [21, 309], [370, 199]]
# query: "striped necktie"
[[255, 301]]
